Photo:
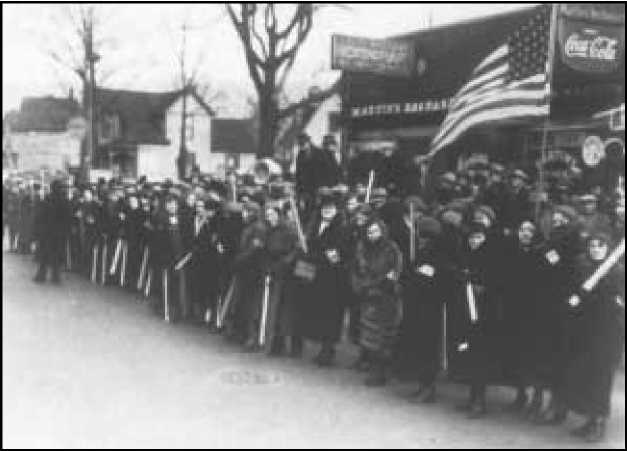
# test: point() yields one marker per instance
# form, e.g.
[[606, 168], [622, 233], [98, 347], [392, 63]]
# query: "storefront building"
[[405, 112]]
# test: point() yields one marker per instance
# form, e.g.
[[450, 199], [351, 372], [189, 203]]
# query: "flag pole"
[[545, 130]]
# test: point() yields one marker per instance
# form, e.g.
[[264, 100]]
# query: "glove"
[[426, 270], [333, 256], [574, 301]]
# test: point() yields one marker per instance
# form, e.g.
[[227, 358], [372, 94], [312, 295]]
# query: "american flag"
[[511, 83]]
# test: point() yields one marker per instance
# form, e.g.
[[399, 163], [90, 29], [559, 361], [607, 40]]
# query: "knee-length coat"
[[598, 324], [381, 304], [323, 300]]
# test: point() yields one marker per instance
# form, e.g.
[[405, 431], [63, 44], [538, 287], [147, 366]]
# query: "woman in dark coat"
[[423, 296], [248, 273], [51, 231], [325, 297], [598, 331], [374, 279], [204, 265], [474, 319], [280, 250], [560, 254], [526, 330]]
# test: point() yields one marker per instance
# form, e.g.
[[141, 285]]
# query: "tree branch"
[[312, 98]]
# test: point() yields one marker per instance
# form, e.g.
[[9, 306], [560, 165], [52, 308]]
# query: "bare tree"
[[189, 81], [271, 41], [78, 52]]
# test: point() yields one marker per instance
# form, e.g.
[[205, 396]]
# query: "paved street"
[[85, 366]]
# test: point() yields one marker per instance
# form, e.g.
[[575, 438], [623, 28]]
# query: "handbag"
[[305, 270]]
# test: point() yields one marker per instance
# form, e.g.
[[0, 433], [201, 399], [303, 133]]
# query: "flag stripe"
[[496, 115], [531, 101], [509, 83], [532, 90]]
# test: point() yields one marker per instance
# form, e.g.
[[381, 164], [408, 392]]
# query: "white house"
[[139, 133], [36, 136]]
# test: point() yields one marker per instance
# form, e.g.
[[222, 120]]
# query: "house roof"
[[141, 113], [43, 114], [234, 136]]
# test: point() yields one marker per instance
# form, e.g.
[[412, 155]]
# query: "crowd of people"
[[483, 278]]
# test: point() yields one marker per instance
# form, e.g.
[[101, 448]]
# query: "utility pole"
[[182, 159], [89, 101]]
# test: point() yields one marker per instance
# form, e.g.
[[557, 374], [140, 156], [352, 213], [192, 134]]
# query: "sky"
[[139, 42]]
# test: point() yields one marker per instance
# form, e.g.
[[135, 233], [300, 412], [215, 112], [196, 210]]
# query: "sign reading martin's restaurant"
[[376, 56]]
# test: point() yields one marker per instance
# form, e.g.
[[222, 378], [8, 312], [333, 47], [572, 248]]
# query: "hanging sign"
[[592, 151], [591, 44], [377, 56]]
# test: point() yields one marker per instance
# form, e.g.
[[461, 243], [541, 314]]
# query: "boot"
[[552, 417], [584, 429], [40, 277], [376, 377], [296, 350], [326, 356], [466, 407], [533, 411], [251, 345], [478, 407], [277, 347], [596, 433], [426, 394], [521, 400], [362, 363]]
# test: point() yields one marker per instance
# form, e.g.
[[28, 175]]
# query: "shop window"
[[334, 122], [109, 127], [189, 128]]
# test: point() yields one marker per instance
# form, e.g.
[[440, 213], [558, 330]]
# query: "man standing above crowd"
[[315, 168]]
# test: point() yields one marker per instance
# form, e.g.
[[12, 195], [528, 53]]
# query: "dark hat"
[[329, 139], [602, 235], [476, 227], [497, 167], [448, 177], [567, 211], [417, 202], [488, 211], [429, 227], [588, 198], [518, 173], [303, 137]]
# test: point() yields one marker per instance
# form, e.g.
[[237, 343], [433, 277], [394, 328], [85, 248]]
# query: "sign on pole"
[[377, 56]]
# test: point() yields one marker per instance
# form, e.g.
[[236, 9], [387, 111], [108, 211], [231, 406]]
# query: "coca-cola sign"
[[591, 48]]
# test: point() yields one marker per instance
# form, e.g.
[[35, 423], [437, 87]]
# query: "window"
[[334, 122], [110, 127], [189, 128]]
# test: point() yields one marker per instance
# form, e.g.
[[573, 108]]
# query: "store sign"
[[399, 108], [592, 151], [376, 56], [591, 47]]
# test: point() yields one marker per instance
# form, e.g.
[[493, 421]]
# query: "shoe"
[[465, 407], [552, 417], [251, 346], [325, 358], [519, 403], [477, 410], [375, 380], [596, 433], [427, 395], [583, 430]]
